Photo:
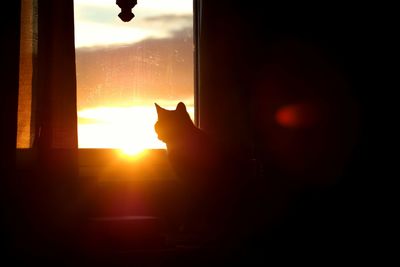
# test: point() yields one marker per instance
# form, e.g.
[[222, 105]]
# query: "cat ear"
[[158, 108], [181, 107]]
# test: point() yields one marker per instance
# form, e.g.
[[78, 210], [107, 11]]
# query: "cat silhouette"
[[211, 176]]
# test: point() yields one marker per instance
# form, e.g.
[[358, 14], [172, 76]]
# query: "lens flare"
[[301, 115]]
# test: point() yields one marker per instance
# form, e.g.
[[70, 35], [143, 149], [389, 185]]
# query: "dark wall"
[[9, 65], [9, 81], [259, 57]]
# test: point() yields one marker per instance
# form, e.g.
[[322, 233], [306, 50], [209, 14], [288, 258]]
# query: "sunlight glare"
[[130, 129], [131, 150]]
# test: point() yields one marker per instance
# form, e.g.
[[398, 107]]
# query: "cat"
[[211, 176]]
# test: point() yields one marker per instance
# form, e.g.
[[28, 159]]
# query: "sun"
[[132, 151]]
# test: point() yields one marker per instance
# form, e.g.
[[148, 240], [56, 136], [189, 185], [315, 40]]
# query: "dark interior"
[[312, 185]]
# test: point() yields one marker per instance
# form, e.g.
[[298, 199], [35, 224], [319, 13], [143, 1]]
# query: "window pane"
[[123, 68]]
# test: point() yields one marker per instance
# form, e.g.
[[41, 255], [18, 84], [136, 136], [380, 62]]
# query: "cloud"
[[99, 24], [141, 73], [96, 14], [170, 18]]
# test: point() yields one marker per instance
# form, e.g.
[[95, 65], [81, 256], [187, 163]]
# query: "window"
[[123, 68]]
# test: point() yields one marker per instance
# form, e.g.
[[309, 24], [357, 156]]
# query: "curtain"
[[47, 84], [47, 118], [56, 87], [28, 54]]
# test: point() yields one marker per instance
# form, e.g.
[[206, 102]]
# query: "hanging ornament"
[[126, 9]]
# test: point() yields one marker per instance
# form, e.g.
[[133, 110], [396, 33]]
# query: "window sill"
[[107, 165]]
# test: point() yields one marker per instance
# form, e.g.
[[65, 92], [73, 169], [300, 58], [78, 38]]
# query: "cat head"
[[172, 124]]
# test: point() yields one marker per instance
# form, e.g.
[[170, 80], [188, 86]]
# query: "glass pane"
[[123, 68]]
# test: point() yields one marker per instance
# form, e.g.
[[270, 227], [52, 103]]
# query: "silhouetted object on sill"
[[213, 178], [126, 9]]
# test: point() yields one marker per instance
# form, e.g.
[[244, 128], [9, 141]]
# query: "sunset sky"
[[123, 68]]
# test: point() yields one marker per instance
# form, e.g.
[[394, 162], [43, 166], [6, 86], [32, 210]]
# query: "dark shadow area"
[[294, 93]]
